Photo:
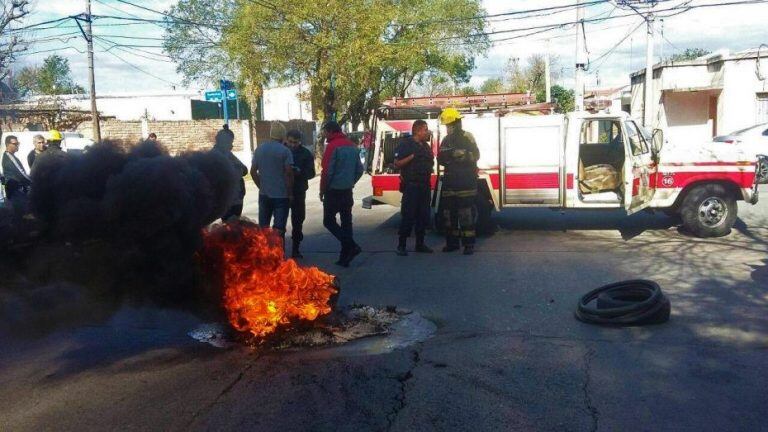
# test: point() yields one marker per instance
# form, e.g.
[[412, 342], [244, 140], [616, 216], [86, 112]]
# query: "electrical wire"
[[136, 67]]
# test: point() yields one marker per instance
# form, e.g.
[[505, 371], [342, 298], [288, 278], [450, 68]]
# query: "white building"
[[712, 95], [284, 104], [134, 106]]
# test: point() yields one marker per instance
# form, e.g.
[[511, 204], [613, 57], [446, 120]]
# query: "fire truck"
[[579, 160]]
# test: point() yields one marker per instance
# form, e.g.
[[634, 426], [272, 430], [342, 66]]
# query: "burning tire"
[[709, 211]]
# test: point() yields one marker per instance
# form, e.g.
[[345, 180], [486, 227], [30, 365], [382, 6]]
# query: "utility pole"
[[580, 66], [91, 79], [547, 77], [648, 87]]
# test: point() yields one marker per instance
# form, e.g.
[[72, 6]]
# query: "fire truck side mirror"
[[658, 141]]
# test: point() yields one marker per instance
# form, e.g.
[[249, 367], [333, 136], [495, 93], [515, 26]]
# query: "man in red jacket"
[[341, 170]]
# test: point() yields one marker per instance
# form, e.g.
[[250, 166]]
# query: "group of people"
[[281, 169], [15, 178]]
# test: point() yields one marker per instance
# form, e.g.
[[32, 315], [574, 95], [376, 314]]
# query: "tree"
[[351, 57], [563, 98], [193, 39], [10, 40], [467, 90], [52, 78], [690, 54], [492, 85], [530, 78]]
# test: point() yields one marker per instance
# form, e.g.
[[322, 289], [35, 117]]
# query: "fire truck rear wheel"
[[709, 210]]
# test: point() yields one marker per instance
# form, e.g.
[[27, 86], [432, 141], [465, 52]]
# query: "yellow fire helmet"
[[54, 135], [449, 115]]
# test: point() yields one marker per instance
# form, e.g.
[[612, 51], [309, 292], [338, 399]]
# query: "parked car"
[[752, 141]]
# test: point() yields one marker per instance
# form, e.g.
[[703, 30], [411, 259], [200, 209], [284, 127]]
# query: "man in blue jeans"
[[341, 170], [272, 171]]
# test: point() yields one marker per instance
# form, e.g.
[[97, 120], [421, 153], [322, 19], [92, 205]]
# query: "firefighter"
[[458, 155], [415, 160]]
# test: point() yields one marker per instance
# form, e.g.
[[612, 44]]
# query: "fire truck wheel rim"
[[713, 211], [762, 173]]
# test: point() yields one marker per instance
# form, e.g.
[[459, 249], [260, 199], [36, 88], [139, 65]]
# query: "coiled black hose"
[[626, 303]]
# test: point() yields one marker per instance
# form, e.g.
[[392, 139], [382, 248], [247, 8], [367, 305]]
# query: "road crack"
[[586, 389], [221, 394], [400, 398]]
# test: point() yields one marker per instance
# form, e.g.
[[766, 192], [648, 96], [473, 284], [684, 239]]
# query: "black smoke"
[[121, 225]]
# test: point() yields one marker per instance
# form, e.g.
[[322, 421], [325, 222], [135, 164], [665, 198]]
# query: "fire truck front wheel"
[[709, 210]]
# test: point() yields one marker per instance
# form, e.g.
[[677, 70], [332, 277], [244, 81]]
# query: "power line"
[[167, 15], [136, 67]]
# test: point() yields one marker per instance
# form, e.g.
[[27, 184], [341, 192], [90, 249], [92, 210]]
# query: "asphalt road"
[[508, 353]]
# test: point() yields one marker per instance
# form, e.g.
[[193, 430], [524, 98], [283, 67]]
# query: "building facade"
[[712, 95]]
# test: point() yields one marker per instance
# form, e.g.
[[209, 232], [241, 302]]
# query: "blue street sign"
[[214, 96]]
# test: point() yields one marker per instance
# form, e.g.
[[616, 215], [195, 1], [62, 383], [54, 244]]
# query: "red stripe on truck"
[[529, 181], [682, 179]]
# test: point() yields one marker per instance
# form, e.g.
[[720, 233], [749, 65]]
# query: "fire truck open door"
[[639, 170]]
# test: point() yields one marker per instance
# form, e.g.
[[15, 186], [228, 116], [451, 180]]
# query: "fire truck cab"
[[586, 161]]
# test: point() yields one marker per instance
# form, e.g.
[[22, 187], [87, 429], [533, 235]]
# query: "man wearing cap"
[[272, 171], [458, 155], [341, 170]]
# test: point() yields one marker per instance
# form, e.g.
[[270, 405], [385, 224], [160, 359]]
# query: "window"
[[637, 139], [601, 132]]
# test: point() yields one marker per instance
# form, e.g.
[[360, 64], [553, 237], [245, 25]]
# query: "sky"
[[142, 67]]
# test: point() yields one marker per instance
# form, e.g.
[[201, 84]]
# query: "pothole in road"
[[348, 331]]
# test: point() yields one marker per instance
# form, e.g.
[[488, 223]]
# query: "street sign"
[[214, 96]]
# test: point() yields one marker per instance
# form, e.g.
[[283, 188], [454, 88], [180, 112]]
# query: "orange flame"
[[262, 290]]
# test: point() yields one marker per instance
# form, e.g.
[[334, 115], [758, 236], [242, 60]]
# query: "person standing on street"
[[224, 144], [459, 155], [341, 170], [303, 171], [39, 141], [272, 171], [17, 181], [415, 160]]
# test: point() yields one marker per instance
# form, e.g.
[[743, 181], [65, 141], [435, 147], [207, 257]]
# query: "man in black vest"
[[416, 162]]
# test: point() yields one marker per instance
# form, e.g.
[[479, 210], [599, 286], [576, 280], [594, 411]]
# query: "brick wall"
[[177, 136]]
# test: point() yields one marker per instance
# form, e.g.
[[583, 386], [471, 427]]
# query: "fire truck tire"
[[709, 210]]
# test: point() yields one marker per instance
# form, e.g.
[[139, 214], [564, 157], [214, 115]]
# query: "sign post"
[[227, 93]]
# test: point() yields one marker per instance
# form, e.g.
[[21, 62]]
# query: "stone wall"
[[177, 136]]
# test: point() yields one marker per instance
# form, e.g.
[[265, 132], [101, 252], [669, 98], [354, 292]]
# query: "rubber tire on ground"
[[632, 302], [690, 208]]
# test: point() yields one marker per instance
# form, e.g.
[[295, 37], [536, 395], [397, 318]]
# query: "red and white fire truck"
[[582, 161]]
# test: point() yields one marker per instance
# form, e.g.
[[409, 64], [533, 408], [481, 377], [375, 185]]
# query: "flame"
[[262, 290]]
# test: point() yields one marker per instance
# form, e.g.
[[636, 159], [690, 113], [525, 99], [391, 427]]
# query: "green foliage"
[[368, 49], [690, 54], [532, 76], [564, 99], [492, 85], [193, 39], [53, 77]]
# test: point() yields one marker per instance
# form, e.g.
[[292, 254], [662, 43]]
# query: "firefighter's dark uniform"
[[415, 181], [459, 155]]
